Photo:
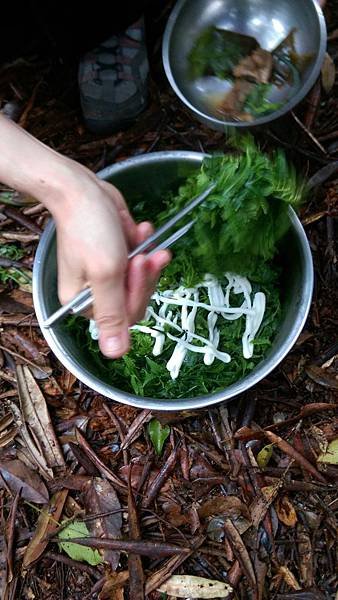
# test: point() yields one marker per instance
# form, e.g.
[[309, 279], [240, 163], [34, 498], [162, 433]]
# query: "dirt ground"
[[242, 494]]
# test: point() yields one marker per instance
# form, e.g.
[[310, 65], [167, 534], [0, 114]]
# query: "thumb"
[[110, 313]]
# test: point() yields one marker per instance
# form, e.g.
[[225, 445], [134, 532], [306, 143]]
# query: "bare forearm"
[[29, 166]]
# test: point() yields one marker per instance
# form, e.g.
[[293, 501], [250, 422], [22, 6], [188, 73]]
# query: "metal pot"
[[148, 178], [266, 20]]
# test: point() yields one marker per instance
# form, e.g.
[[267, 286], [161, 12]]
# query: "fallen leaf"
[[78, 529], [137, 470], [189, 586], [19, 477], [264, 455], [328, 73], [285, 511], [135, 567], [100, 497], [36, 415], [15, 302], [6, 421], [330, 457], [35, 455], [319, 437], [240, 551], [113, 586], [7, 437], [155, 580], [51, 387], [173, 513], [223, 505], [261, 503], [158, 434], [67, 381], [284, 574], [306, 557], [321, 377], [290, 451], [48, 521]]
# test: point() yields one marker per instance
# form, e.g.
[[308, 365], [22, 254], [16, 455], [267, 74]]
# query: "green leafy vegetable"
[[78, 529], [158, 434], [237, 229], [239, 225], [217, 52]]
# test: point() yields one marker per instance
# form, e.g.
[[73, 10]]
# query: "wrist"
[[29, 166], [64, 183]]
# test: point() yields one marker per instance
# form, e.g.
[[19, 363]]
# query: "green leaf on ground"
[[331, 455], [264, 455], [78, 529], [158, 434]]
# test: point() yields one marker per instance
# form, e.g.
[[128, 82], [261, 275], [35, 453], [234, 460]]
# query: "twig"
[[135, 568], [240, 551], [76, 564], [98, 463], [119, 430], [10, 531], [150, 549], [30, 104], [16, 215], [159, 480], [24, 359], [309, 134], [13, 236], [293, 453], [134, 430]]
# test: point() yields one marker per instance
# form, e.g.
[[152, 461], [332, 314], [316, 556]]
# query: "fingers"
[[70, 276], [143, 231], [110, 311], [143, 274]]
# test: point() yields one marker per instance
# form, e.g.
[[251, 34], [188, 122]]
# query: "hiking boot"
[[113, 81]]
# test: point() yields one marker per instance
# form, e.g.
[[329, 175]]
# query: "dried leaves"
[[19, 478], [328, 73], [273, 500], [223, 505], [35, 412], [47, 523], [99, 497], [285, 511]]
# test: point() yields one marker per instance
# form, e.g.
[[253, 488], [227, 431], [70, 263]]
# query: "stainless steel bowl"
[[266, 20], [147, 178]]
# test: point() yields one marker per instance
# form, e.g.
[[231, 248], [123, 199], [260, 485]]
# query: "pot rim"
[[226, 395]]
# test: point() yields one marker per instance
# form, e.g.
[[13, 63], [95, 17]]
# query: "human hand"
[[94, 234]]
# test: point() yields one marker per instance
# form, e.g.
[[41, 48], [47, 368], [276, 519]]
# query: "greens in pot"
[[237, 231]]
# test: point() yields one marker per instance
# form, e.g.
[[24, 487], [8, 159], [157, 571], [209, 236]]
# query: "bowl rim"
[[226, 395], [287, 107]]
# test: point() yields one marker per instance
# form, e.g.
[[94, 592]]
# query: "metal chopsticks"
[[84, 299]]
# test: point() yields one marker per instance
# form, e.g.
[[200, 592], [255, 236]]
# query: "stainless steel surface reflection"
[[266, 20]]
